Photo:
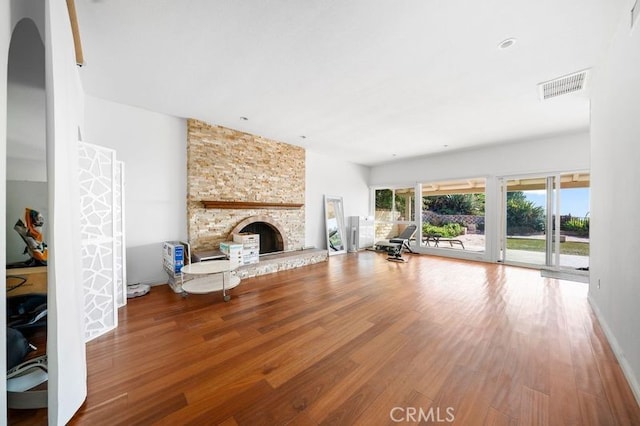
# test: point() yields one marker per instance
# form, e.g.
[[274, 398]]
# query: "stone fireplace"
[[238, 182]]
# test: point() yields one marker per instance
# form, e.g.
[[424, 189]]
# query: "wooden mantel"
[[214, 204]]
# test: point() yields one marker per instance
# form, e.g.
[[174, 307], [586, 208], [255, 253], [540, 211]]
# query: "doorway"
[[545, 221], [27, 189]]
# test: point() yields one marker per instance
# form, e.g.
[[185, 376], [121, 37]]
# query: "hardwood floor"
[[364, 341]]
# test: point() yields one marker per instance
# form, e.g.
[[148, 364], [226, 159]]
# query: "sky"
[[574, 201]]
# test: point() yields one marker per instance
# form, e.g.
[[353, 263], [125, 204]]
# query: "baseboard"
[[617, 350], [566, 274]]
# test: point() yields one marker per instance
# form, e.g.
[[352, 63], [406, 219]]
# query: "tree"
[[384, 199], [523, 216], [464, 204]]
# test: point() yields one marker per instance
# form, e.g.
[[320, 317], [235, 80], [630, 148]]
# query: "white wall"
[[553, 154], [65, 328], [153, 148], [328, 176], [615, 199]]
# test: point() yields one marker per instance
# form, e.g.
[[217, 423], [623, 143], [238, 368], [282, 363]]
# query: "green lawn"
[[569, 247]]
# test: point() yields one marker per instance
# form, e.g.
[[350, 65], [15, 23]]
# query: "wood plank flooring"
[[360, 340]]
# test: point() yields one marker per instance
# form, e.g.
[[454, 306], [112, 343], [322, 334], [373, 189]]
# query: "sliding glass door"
[[574, 221], [526, 206], [545, 220]]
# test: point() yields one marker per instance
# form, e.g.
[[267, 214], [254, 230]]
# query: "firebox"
[[272, 237]]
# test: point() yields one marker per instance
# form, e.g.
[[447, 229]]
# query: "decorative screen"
[[98, 229]]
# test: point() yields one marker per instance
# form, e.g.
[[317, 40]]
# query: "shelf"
[[210, 283], [213, 204]]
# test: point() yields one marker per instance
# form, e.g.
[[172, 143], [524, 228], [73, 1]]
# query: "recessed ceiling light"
[[505, 44], [244, 119]]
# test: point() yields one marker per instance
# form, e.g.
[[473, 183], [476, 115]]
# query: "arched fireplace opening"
[[272, 237]]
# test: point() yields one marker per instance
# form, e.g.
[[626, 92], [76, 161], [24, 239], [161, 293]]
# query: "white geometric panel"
[[96, 191], [97, 276], [120, 264], [97, 226]]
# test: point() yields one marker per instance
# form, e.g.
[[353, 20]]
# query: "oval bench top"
[[208, 267]]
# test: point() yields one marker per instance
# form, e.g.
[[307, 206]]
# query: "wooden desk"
[[32, 280]]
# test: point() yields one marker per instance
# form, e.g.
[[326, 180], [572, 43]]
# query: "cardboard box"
[[250, 247], [233, 251], [231, 248], [250, 251], [26, 281], [235, 263], [246, 239], [250, 259], [175, 279], [175, 255]]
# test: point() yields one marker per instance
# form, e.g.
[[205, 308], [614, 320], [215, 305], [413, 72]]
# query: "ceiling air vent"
[[564, 85]]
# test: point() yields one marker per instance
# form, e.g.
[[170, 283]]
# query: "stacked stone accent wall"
[[227, 165]]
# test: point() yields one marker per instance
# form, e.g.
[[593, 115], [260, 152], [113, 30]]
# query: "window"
[[394, 210], [453, 214]]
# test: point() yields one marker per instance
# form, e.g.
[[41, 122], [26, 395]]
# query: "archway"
[[273, 237], [26, 173]]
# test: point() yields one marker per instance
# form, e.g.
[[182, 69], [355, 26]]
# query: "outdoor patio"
[[476, 243]]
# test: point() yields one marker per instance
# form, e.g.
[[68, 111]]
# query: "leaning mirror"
[[334, 216]]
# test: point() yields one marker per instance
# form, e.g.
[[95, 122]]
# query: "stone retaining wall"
[[437, 219]]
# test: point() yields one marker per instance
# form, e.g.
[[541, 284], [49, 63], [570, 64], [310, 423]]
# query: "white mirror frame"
[[334, 217]]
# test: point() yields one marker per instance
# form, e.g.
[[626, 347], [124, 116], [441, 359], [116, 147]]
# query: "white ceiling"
[[373, 81]]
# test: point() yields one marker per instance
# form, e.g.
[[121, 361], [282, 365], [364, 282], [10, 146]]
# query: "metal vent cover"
[[563, 85]]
